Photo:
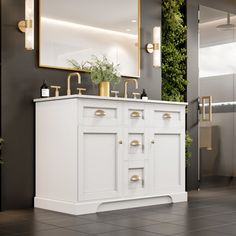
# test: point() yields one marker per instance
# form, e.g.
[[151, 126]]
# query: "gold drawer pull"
[[166, 116], [100, 113], [135, 114], [135, 178], [135, 143]]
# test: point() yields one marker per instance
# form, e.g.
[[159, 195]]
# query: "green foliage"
[[1, 143], [188, 144], [100, 69], [174, 53]]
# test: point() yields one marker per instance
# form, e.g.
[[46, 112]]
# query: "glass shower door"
[[217, 69]]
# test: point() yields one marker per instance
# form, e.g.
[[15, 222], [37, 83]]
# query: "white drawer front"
[[167, 119], [135, 115], [99, 113]]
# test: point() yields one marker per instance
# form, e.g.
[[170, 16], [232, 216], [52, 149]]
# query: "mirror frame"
[[84, 71]]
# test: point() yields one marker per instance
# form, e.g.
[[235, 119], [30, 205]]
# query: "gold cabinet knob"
[[80, 90], [100, 113], [152, 142], [135, 114], [120, 142], [56, 89], [135, 178], [166, 116], [136, 95], [135, 143]]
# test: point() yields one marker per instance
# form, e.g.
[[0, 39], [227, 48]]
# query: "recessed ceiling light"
[[128, 30], [133, 21]]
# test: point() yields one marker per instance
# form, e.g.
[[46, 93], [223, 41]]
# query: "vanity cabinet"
[[97, 154]]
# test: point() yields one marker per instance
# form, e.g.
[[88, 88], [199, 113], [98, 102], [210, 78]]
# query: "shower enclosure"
[[217, 94]]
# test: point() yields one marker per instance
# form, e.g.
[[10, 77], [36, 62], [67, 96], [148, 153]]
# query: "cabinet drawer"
[[99, 113], [167, 119], [136, 178], [135, 115]]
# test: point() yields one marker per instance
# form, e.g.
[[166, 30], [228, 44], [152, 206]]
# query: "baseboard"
[[80, 208]]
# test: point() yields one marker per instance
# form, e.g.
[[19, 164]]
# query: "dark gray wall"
[[21, 79], [192, 74]]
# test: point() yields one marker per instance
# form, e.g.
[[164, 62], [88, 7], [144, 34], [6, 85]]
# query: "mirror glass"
[[80, 29]]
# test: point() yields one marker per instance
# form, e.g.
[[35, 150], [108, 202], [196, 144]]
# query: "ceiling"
[[114, 15]]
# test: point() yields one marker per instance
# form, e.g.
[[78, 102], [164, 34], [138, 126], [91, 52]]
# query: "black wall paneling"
[[21, 79], [192, 74]]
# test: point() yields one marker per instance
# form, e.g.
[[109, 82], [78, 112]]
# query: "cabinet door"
[[169, 162], [100, 156]]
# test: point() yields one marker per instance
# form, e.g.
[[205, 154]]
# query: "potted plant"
[[103, 73]]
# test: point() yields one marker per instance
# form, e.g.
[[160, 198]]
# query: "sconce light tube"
[[27, 26], [29, 29], [155, 47]]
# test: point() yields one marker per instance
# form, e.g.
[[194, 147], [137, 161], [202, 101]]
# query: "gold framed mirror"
[[76, 30]]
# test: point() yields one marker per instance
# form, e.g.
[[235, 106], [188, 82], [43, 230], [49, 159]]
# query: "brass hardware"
[[166, 116], [23, 24], [120, 142], [84, 70], [68, 81], [209, 98], [104, 89], [135, 114], [56, 90], [136, 95], [115, 93], [135, 178], [126, 86], [152, 142], [150, 47], [100, 113], [81, 90], [135, 143]]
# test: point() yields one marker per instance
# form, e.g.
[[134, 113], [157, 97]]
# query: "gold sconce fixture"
[[27, 26], [155, 47]]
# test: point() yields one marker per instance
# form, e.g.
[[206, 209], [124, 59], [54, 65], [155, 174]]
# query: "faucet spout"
[[76, 74], [126, 86]]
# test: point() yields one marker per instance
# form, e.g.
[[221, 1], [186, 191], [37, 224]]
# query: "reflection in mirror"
[[79, 29]]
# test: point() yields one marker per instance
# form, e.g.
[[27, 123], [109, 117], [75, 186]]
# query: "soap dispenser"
[[144, 95], [44, 90]]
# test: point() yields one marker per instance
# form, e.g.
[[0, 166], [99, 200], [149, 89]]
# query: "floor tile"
[[163, 228], [198, 224], [64, 222], [100, 217], [131, 232], [132, 222], [26, 227], [55, 232], [202, 233], [96, 228], [228, 229]]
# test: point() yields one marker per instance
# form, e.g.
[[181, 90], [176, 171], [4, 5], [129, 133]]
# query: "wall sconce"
[[155, 47], [27, 26]]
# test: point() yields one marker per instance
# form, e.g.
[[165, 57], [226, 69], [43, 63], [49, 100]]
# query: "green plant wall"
[[174, 51], [174, 57]]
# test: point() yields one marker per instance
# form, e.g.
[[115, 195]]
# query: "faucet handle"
[[81, 90], [115, 93], [57, 88], [136, 95]]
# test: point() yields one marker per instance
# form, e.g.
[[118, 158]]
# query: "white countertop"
[[107, 98]]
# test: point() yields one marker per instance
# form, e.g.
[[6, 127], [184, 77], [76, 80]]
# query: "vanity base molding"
[[111, 205], [100, 154]]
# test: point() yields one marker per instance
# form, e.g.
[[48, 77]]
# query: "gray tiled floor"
[[209, 212]]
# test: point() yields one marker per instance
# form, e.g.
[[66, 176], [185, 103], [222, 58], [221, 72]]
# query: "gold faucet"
[[68, 81], [126, 86]]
